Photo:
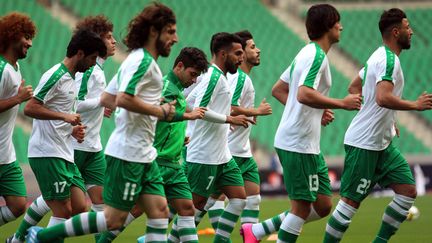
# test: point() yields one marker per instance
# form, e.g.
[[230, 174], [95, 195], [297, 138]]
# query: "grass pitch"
[[363, 228]]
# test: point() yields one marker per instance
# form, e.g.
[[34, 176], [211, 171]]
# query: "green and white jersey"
[[300, 127], [373, 126], [190, 101], [53, 138], [244, 96], [209, 143], [10, 81], [90, 86], [132, 139], [112, 87], [170, 136]]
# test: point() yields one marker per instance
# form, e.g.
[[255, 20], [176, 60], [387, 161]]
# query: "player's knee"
[[187, 210], [324, 210], [411, 192], [18, 207], [77, 209], [114, 222], [237, 203]]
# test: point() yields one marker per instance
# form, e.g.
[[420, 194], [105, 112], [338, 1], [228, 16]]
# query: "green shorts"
[[92, 166], [206, 179], [364, 168], [248, 168], [55, 177], [125, 181], [175, 183], [305, 175], [12, 180]]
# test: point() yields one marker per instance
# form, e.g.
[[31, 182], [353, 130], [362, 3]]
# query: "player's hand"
[[78, 132], [264, 108], [107, 112], [73, 119], [197, 113], [186, 140], [424, 102], [240, 120], [25, 92], [167, 111], [352, 102], [327, 117]]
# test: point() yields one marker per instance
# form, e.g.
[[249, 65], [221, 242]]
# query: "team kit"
[[180, 147]]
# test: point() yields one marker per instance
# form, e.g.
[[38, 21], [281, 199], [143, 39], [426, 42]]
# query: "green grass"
[[363, 228]]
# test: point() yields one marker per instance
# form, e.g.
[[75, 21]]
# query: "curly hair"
[[156, 15], [99, 24], [13, 26]]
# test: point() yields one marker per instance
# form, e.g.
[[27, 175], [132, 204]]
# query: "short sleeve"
[[286, 75], [313, 65], [112, 87], [385, 67], [133, 74]]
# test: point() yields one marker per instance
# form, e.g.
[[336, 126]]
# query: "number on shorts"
[[60, 186], [363, 186], [313, 183], [129, 191], [211, 178]]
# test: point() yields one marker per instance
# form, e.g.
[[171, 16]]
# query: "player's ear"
[[80, 54], [153, 32]]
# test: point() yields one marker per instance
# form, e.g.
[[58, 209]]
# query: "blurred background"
[[279, 31]]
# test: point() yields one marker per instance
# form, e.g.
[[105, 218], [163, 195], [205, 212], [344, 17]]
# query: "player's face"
[[86, 62], [110, 43], [166, 39], [21, 47], [252, 53], [404, 33], [188, 76], [335, 32], [234, 58]]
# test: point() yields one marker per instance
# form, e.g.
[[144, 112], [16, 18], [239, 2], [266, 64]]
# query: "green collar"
[[66, 70], [175, 80], [4, 59]]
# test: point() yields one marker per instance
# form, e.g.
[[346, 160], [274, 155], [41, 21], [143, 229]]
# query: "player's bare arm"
[[135, 104], [315, 99], [355, 86], [280, 91], [385, 98], [25, 92], [36, 109]]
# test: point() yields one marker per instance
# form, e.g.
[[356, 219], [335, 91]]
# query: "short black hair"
[[223, 40], [193, 57], [390, 19], [320, 18], [87, 41], [244, 35]]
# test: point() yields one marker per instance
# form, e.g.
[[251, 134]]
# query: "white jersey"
[[53, 138], [190, 101], [90, 86], [112, 87], [243, 96], [300, 127], [209, 143], [132, 139], [10, 81], [373, 126]]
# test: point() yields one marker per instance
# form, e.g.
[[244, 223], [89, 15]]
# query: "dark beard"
[[81, 67], [160, 47], [404, 43], [231, 68]]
